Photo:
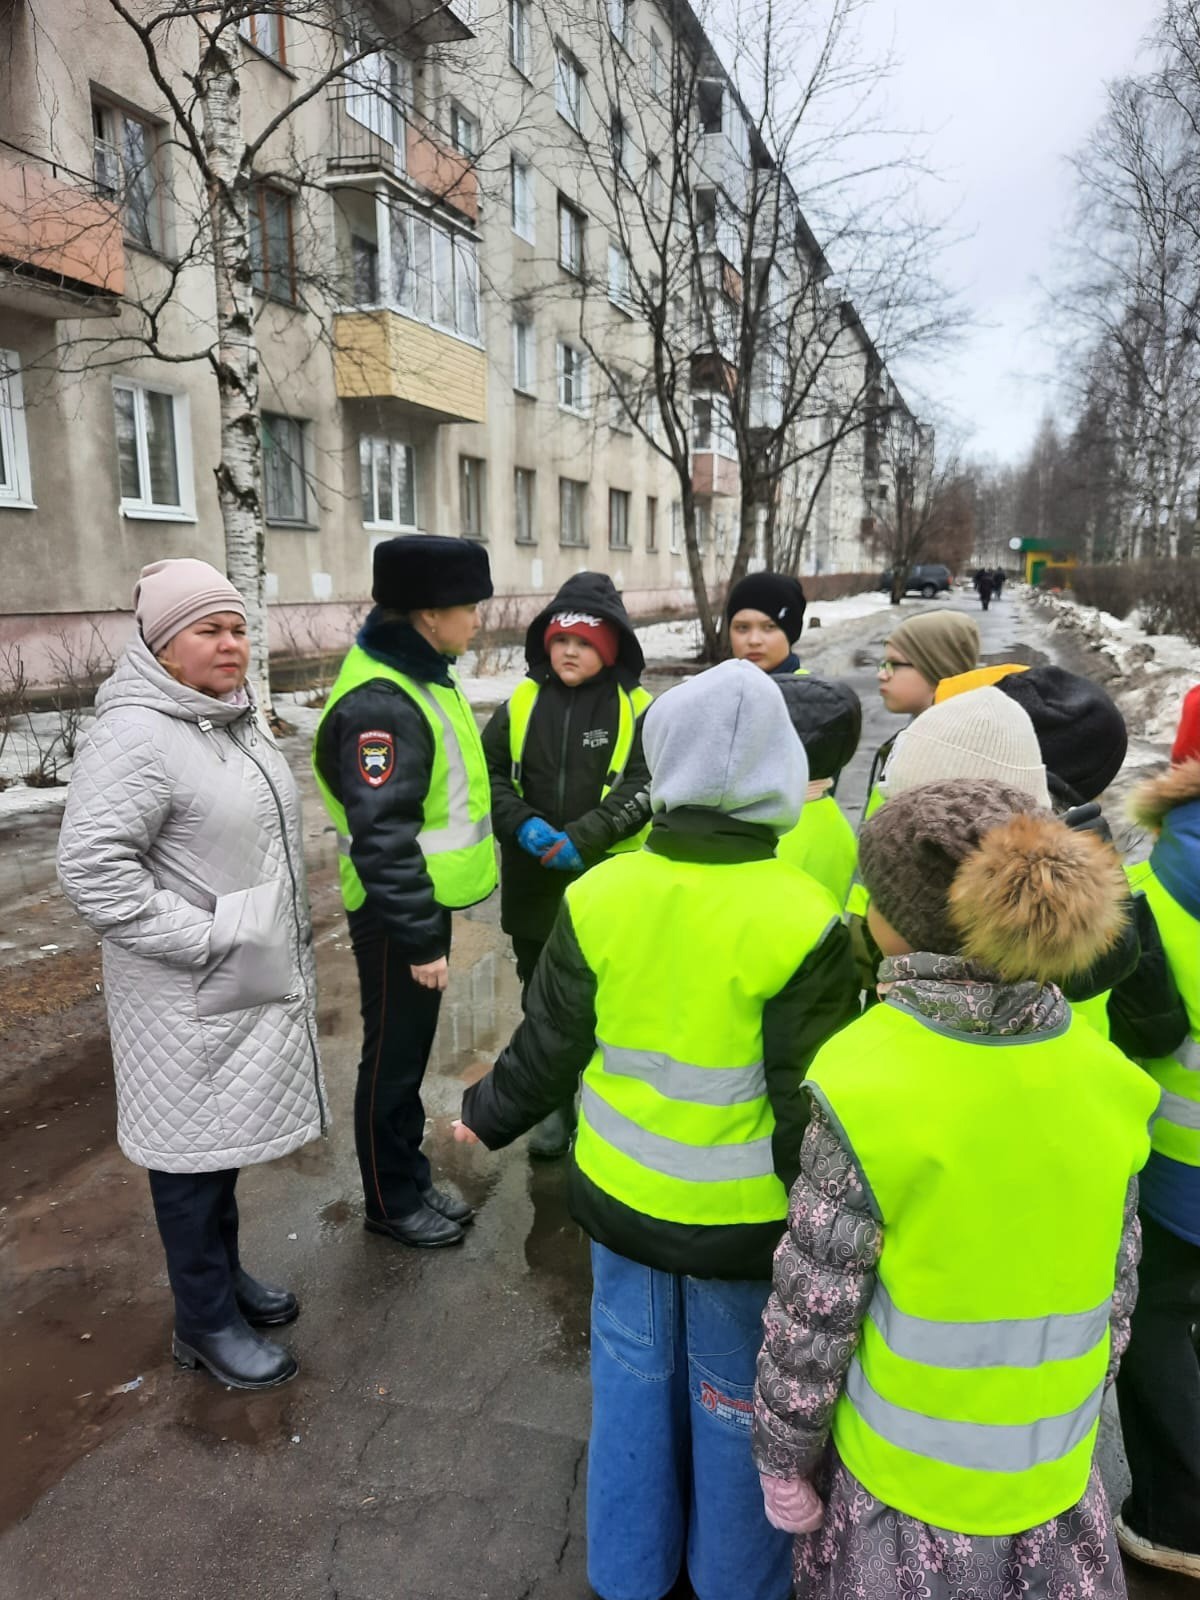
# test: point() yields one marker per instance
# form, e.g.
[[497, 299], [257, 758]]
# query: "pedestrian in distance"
[[181, 846], [690, 983], [401, 769], [764, 615], [985, 584], [1158, 1389], [569, 779], [1128, 994], [953, 1294], [999, 579]]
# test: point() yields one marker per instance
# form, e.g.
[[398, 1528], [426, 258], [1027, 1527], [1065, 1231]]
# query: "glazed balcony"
[[385, 355], [62, 252]]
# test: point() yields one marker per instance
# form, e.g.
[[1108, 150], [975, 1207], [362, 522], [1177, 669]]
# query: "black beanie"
[[827, 715], [1081, 733], [774, 594], [424, 571]]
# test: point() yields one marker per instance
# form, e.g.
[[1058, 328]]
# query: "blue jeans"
[[669, 1466]]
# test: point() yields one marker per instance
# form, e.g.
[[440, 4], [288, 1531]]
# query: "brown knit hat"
[[911, 849], [940, 644]]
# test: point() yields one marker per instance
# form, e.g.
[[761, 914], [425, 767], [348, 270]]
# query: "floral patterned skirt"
[[865, 1550]]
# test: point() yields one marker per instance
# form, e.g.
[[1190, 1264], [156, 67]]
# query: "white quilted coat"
[[181, 845]]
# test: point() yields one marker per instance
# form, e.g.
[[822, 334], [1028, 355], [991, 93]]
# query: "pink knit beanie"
[[171, 594]]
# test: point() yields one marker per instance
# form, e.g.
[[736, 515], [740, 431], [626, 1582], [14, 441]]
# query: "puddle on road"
[[556, 1254], [230, 1416]]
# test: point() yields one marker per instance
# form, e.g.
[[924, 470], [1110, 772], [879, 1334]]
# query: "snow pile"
[[1146, 674]]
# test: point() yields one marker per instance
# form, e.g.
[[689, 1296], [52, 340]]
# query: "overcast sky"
[[1007, 89]]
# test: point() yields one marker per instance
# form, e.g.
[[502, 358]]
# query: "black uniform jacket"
[[541, 1066], [568, 754], [385, 818]]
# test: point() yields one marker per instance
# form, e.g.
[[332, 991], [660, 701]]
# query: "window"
[[524, 356], [620, 143], [523, 482], [386, 470], [434, 273], [621, 403], [464, 131], [618, 519], [654, 186], [522, 198], [701, 425], [264, 30], [618, 21], [658, 65], [285, 489], [378, 87], [651, 523], [16, 486], [125, 162], [364, 259], [568, 87], [676, 527], [572, 377], [620, 290], [153, 451], [571, 224], [570, 512], [471, 496], [272, 248], [520, 36]]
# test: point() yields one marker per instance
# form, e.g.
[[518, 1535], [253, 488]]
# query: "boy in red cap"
[[569, 780]]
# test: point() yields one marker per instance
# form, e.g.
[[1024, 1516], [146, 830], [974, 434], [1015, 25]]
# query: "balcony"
[[383, 355], [371, 134], [429, 21], [62, 252], [715, 476], [723, 163]]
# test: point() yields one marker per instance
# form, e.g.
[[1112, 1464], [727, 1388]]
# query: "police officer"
[[401, 769]]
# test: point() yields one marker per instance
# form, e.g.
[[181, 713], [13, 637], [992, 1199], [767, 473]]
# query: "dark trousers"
[[197, 1218], [399, 1021], [1158, 1391]]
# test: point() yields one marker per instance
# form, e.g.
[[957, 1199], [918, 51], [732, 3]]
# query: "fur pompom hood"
[[1152, 801], [1037, 900]]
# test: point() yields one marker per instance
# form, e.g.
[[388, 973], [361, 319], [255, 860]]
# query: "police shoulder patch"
[[376, 757]]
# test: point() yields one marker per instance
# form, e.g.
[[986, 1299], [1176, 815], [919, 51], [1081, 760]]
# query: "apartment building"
[[444, 268]]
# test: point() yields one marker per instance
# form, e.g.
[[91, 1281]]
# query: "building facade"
[[451, 311]]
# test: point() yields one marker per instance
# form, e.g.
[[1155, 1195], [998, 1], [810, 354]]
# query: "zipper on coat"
[[562, 766], [287, 856]]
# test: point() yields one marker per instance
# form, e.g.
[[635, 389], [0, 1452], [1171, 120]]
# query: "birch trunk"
[[235, 361]]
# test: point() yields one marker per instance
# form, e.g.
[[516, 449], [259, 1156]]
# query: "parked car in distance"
[[928, 580]]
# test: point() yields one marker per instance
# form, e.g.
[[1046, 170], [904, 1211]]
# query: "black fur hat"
[[424, 571]]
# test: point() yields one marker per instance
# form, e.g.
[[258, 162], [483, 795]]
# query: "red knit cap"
[[601, 634], [1187, 735]]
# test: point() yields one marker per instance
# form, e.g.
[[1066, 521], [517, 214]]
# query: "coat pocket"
[[251, 952]]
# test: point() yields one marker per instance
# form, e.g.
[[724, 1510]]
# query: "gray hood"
[[723, 742], [140, 679]]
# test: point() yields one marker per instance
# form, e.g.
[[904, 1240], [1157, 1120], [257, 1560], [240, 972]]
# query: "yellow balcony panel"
[[381, 355]]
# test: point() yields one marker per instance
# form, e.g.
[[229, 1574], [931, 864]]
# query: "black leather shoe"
[[552, 1136], [425, 1228], [262, 1304], [238, 1357], [447, 1205]]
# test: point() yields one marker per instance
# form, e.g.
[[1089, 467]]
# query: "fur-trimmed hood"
[[1152, 800], [1038, 900]]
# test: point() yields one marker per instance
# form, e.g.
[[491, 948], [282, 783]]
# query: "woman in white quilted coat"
[[181, 845]]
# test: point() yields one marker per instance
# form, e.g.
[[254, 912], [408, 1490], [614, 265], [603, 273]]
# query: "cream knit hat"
[[172, 594], [982, 734]]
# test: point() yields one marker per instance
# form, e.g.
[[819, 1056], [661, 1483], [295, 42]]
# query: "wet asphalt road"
[[434, 1445]]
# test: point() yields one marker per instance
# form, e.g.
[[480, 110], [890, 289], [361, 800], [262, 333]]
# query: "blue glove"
[[536, 836], [564, 857]]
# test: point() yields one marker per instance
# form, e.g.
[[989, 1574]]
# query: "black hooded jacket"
[[566, 760]]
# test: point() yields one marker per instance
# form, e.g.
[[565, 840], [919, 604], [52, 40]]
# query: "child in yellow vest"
[[953, 1294]]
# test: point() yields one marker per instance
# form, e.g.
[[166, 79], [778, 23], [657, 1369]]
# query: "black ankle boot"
[[448, 1205], [263, 1304], [237, 1357]]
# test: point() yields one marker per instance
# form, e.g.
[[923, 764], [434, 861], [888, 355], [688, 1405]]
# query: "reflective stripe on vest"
[[456, 837], [1176, 1130], [676, 1122], [630, 705], [973, 1398]]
